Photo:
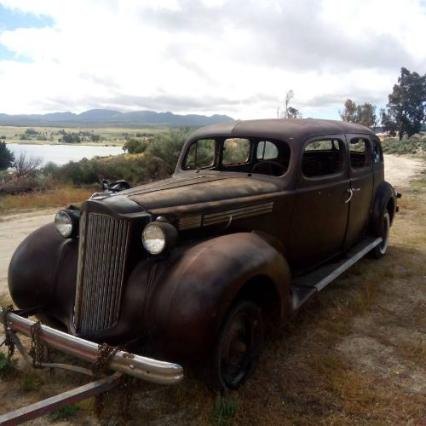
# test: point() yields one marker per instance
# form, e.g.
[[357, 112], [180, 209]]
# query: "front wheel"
[[239, 345], [380, 250]]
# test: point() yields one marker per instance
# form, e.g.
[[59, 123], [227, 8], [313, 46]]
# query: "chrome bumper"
[[144, 368]]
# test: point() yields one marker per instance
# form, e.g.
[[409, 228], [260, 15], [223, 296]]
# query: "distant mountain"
[[106, 117]]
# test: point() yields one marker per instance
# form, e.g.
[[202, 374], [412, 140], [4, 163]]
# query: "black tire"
[[238, 346], [381, 249]]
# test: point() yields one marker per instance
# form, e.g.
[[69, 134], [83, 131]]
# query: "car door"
[[320, 215], [361, 190]]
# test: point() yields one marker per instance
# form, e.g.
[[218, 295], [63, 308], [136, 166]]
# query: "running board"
[[305, 287]]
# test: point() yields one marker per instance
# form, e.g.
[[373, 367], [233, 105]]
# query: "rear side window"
[[359, 153], [323, 157]]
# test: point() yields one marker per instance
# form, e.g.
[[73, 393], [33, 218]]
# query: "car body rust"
[[303, 194]]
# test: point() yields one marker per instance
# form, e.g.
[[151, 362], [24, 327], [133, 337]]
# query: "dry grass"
[[58, 197]]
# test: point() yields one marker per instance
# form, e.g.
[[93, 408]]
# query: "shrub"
[[71, 137], [7, 366], [135, 169], [135, 146], [6, 157], [413, 145], [167, 146]]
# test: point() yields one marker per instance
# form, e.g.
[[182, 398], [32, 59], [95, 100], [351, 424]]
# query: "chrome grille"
[[100, 275]]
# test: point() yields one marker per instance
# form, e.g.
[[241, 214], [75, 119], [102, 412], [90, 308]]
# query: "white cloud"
[[209, 56]]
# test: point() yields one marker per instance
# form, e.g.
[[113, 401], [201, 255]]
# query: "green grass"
[[224, 410], [31, 382], [7, 366], [64, 413]]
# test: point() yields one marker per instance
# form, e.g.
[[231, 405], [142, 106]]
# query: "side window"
[[323, 157], [235, 151], [359, 153], [377, 153], [266, 150], [201, 154]]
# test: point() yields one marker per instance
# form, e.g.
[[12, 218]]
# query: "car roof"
[[288, 129]]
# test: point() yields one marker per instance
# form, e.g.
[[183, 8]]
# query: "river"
[[62, 154]]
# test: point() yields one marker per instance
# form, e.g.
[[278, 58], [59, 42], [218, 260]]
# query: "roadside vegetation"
[[31, 186], [416, 145]]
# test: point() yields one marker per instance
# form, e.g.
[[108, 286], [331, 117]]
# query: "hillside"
[[110, 118]]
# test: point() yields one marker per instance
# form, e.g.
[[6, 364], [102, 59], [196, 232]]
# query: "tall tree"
[[406, 108], [364, 114], [6, 156], [284, 110], [350, 112]]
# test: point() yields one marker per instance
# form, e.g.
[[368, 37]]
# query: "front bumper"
[[144, 368]]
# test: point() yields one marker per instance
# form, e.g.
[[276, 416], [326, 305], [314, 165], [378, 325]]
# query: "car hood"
[[197, 189]]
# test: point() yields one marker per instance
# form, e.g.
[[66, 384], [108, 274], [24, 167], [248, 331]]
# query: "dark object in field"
[[258, 217], [14, 189]]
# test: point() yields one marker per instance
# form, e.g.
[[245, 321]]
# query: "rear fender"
[[385, 197]]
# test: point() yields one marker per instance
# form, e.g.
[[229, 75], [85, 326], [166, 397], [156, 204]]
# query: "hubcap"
[[238, 349]]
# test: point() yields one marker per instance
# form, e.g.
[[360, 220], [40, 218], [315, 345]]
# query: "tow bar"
[[122, 362]]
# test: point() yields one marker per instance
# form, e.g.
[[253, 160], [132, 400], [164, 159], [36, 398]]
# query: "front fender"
[[33, 267], [194, 295]]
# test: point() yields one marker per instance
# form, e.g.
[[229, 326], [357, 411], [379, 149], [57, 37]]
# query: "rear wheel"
[[380, 250], [239, 345]]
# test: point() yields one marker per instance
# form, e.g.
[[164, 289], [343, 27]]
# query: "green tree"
[[135, 146], [364, 114], [293, 113], [406, 107], [6, 156]]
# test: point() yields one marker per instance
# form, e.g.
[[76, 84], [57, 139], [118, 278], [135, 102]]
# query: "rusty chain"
[[8, 338], [99, 367], [39, 352], [125, 388]]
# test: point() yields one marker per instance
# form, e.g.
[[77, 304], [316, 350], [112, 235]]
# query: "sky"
[[236, 57]]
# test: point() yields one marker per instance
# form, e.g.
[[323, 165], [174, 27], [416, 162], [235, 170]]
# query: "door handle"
[[351, 194]]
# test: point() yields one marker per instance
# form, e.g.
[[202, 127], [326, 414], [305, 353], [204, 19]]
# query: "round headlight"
[[158, 236], [64, 223]]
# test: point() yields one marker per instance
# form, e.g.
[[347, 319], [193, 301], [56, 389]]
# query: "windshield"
[[244, 155]]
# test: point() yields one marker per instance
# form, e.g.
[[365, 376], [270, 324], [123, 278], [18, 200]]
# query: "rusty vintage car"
[[258, 217]]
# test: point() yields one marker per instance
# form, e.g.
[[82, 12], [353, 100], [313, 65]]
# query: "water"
[[62, 154]]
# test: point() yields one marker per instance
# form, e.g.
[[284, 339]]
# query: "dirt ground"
[[355, 355]]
